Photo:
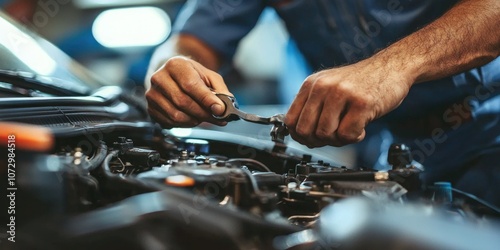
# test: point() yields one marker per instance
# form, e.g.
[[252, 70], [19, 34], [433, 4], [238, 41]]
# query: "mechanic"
[[427, 70]]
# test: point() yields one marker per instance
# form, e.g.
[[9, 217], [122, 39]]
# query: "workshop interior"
[[84, 166]]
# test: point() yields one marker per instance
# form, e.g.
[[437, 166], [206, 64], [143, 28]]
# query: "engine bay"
[[137, 189]]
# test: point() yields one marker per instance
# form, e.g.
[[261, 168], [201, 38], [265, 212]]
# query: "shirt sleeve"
[[219, 23]]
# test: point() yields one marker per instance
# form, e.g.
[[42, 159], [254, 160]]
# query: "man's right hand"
[[181, 94]]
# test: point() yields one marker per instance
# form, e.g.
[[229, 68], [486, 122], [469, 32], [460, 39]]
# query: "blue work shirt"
[[332, 33]]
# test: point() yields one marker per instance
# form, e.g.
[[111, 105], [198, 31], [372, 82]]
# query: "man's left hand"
[[333, 106]]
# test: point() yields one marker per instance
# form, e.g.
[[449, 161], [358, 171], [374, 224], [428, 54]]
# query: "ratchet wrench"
[[232, 113]]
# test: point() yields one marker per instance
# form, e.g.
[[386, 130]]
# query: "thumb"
[[216, 82], [218, 108]]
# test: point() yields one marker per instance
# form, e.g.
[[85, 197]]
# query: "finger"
[[179, 119], [298, 138], [339, 141], [164, 121], [163, 105], [309, 117], [352, 127], [304, 141], [162, 82], [197, 88], [329, 121], [293, 114], [167, 122], [216, 82], [212, 79]]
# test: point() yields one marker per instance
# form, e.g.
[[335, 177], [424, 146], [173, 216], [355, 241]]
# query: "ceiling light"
[[131, 27]]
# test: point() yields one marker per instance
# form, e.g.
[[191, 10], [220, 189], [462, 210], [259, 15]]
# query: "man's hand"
[[181, 94], [333, 106]]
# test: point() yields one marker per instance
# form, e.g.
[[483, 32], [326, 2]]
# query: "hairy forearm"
[[183, 45], [467, 36]]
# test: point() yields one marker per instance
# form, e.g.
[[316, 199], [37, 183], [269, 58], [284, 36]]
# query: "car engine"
[[140, 187]]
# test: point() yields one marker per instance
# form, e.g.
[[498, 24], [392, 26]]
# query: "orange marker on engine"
[[26, 137], [179, 181]]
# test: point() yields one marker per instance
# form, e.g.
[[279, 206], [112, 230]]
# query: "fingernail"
[[217, 109]]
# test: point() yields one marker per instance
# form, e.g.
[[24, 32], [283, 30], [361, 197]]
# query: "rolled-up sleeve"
[[219, 23]]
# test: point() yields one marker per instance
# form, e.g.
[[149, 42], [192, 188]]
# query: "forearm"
[[185, 45], [467, 36]]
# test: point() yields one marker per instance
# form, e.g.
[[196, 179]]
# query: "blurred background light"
[[131, 27], [108, 3]]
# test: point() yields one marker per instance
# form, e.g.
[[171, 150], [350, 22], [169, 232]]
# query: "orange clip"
[[26, 137]]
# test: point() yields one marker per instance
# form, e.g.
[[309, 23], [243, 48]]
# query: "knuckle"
[[363, 102], [150, 95], [347, 136], [182, 102], [178, 116], [156, 79], [322, 133], [174, 62], [218, 77], [308, 82], [206, 100], [158, 84], [190, 85], [344, 88], [301, 131], [320, 87], [321, 82]]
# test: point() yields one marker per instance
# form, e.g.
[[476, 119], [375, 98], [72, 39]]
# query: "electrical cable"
[[252, 180], [481, 201], [261, 165]]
